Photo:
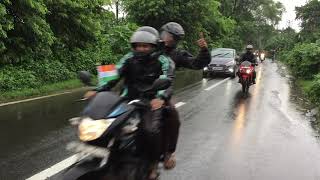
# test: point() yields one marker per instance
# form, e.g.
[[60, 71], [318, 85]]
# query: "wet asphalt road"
[[224, 135]]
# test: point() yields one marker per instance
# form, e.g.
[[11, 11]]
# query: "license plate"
[[217, 68]]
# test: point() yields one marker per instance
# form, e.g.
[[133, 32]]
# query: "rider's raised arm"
[[187, 60]]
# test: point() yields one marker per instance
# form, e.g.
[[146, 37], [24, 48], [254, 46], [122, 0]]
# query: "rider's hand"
[[156, 103], [90, 94], [202, 43]]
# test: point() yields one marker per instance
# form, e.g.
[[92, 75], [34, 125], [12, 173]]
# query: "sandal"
[[169, 161]]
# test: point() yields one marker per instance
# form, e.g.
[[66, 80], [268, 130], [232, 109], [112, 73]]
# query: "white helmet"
[[150, 30], [249, 46], [143, 37]]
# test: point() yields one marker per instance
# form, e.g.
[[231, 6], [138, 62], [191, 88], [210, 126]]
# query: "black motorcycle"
[[110, 145]]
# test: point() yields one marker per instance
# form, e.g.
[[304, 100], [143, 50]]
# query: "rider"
[[171, 34], [273, 54], [249, 56], [139, 69]]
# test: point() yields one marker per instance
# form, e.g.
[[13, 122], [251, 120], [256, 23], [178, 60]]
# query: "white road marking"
[[32, 99], [217, 84], [54, 169], [179, 104], [66, 163]]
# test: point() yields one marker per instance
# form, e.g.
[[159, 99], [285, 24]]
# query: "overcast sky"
[[289, 14]]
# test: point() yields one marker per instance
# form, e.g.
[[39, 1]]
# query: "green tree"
[[27, 32], [6, 24], [77, 23], [194, 15], [256, 19], [283, 41], [309, 14]]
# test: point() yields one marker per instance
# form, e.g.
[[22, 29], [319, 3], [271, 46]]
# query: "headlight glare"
[[90, 129]]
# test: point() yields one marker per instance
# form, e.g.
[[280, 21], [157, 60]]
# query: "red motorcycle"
[[246, 70]]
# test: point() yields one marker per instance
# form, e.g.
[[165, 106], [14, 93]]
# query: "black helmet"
[[150, 30], [174, 28]]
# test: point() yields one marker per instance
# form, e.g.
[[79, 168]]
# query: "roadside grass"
[[305, 85], [41, 91]]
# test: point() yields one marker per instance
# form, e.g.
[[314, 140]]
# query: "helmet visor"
[[168, 39]]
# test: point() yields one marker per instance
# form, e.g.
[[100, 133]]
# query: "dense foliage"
[[48, 41]]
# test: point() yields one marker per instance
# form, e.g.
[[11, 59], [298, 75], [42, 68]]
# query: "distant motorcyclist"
[[139, 69], [273, 55], [249, 56], [171, 33]]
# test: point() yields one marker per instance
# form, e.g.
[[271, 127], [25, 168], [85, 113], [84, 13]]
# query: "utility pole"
[[117, 10]]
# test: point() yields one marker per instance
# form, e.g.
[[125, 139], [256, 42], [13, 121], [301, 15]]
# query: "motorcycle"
[[246, 71], [110, 145], [262, 57]]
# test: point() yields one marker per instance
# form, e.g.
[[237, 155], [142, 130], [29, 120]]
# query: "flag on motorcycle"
[[107, 73]]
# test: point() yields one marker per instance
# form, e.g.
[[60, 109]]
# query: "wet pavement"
[[224, 135]]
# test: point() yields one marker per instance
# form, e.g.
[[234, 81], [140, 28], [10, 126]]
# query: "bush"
[[51, 71], [304, 60], [16, 78], [314, 90]]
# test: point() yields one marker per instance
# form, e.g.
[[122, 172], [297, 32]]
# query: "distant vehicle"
[[262, 56], [223, 61], [246, 76]]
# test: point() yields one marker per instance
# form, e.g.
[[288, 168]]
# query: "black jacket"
[[248, 56], [183, 58], [140, 74]]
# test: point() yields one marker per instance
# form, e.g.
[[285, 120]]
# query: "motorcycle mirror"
[[85, 77], [161, 84]]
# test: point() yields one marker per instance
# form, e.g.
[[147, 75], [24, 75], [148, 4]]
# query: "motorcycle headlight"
[[90, 129], [248, 71], [205, 68]]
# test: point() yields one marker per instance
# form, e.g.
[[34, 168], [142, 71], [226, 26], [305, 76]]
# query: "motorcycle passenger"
[[139, 69], [249, 56], [171, 34]]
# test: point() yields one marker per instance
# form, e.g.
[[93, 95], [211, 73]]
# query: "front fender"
[[81, 169]]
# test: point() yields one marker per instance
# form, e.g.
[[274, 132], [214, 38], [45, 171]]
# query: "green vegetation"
[[45, 42]]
